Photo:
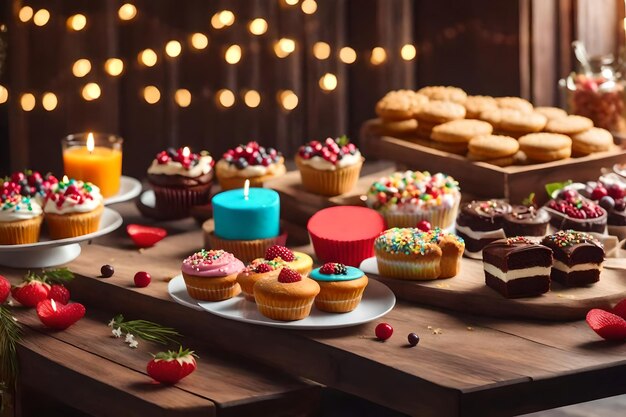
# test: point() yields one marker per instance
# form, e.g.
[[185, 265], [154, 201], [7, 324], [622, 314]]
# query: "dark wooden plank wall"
[[513, 47]]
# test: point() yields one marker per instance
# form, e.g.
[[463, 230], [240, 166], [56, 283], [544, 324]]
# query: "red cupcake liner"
[[350, 253], [176, 202]]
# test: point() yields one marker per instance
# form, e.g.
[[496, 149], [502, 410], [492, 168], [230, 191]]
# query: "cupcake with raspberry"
[[180, 179], [31, 184], [211, 275], [299, 261], [73, 208], [20, 218], [249, 162], [331, 167], [257, 270], [407, 198], [341, 287], [287, 297]]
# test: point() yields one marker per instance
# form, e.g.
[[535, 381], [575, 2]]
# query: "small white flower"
[[10, 303], [133, 344], [130, 338], [111, 323], [117, 332]]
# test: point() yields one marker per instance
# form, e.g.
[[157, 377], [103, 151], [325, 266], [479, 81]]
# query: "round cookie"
[[456, 148], [517, 121], [504, 161], [475, 105], [400, 105], [460, 131], [545, 147], [442, 93], [569, 125], [593, 140], [397, 128], [515, 103], [491, 147], [551, 112], [436, 111]]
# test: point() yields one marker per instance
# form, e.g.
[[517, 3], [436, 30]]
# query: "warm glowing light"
[[27, 101], [347, 55], [233, 54], [408, 52], [252, 98], [199, 40], [173, 48], [127, 11], [222, 19], [81, 67], [148, 57], [288, 100], [151, 94], [309, 6], [182, 97], [114, 66], [284, 47], [321, 50], [65, 178], [291, 2], [91, 91], [258, 26], [186, 152], [25, 13], [378, 56], [4, 94], [77, 22], [41, 17], [90, 142], [49, 101], [328, 82], [225, 98]]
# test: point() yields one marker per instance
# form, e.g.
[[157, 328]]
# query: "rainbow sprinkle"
[[566, 238]]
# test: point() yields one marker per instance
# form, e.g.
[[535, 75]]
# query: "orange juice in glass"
[[94, 157]]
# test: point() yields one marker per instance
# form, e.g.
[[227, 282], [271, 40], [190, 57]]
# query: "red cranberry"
[[599, 192], [620, 205], [142, 279], [18, 177], [424, 225], [568, 195], [383, 331], [616, 191]]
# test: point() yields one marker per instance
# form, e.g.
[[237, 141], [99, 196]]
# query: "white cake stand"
[[129, 188], [47, 253]]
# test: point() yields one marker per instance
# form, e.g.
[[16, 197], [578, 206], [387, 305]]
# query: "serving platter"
[[129, 188]]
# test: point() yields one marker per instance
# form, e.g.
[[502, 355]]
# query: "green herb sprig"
[[147, 330]]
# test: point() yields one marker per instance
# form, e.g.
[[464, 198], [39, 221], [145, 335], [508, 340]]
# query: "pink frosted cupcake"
[[211, 275]]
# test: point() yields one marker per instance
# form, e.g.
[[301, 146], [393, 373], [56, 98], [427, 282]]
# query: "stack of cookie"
[[397, 110]]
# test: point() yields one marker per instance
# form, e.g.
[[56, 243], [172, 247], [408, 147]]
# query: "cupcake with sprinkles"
[[341, 287], [250, 161], [452, 248], [329, 167], [20, 219], [255, 271], [407, 253], [407, 198], [211, 275], [30, 183], [72, 208]]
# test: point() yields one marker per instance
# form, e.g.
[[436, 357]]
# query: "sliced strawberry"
[[620, 309], [59, 316], [5, 289], [607, 325], [59, 293], [30, 293], [145, 236], [171, 366]]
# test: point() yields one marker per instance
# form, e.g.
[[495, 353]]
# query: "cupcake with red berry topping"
[[341, 287], [249, 162], [331, 167], [180, 179], [211, 275], [72, 208], [299, 261], [257, 270], [20, 219], [407, 198], [31, 184]]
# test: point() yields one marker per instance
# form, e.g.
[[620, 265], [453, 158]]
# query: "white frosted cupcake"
[[249, 162], [20, 220]]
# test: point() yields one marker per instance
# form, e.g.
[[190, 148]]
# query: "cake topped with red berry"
[[570, 210], [249, 161], [72, 196], [182, 162], [330, 154], [610, 193], [16, 207], [299, 261], [262, 266], [28, 183], [334, 271]]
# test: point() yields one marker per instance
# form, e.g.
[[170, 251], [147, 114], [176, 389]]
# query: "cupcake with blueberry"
[[407, 198], [73, 208], [331, 167], [341, 287], [180, 179], [20, 218], [249, 162], [255, 271]]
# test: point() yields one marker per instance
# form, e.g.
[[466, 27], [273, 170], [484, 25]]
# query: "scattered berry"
[[599, 192], [5, 289], [413, 339], [620, 205], [424, 226], [281, 252], [615, 191], [30, 293], [59, 316], [384, 331], [607, 325], [145, 236], [142, 279], [106, 271], [607, 202], [170, 367], [59, 294], [288, 275]]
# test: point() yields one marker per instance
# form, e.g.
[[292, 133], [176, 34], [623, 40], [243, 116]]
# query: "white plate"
[[377, 301], [129, 189]]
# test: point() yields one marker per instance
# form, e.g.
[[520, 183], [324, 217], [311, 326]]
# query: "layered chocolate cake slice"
[[480, 223], [578, 257], [517, 267]]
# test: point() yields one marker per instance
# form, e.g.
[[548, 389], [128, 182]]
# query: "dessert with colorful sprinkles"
[[72, 208], [211, 275], [570, 210], [30, 183], [407, 253], [341, 287], [406, 198], [452, 248], [250, 161], [299, 261], [20, 219], [331, 167], [255, 271], [517, 267], [480, 223], [578, 257]]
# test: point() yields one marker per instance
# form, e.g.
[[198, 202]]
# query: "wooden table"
[[470, 366]]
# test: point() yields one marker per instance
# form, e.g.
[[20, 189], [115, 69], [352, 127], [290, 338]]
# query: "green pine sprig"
[[147, 330], [58, 276], [10, 334]]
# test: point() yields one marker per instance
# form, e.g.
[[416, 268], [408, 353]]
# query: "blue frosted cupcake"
[[341, 287]]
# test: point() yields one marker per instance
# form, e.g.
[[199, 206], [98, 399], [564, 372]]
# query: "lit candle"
[[246, 214], [98, 159]]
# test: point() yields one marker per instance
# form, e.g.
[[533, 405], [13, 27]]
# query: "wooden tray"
[[468, 293], [485, 180]]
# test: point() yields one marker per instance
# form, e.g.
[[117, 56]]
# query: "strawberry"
[[288, 275], [145, 236], [607, 325], [29, 293], [59, 294], [618, 310], [5, 289], [171, 366], [333, 268], [262, 268], [281, 252], [59, 316]]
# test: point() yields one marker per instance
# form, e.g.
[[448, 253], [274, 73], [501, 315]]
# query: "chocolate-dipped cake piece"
[[517, 267], [578, 257], [480, 223], [526, 221], [572, 211]]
